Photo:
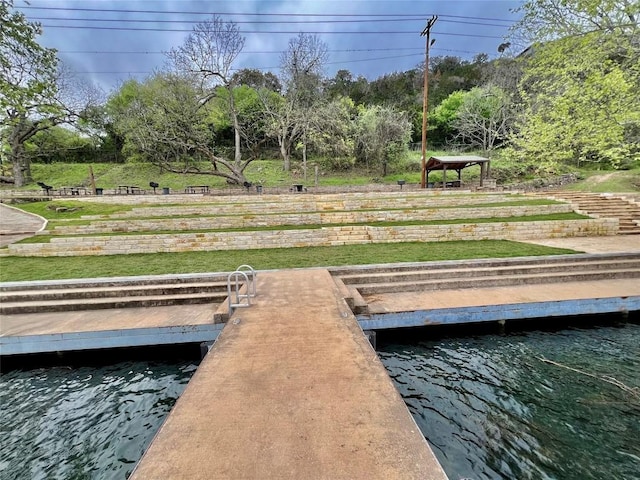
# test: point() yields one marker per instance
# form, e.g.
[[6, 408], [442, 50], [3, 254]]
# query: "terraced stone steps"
[[312, 203], [491, 281], [382, 214], [606, 205], [95, 295], [107, 303], [358, 283], [447, 274]]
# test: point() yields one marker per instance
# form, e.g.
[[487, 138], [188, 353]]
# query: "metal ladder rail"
[[251, 273], [248, 274]]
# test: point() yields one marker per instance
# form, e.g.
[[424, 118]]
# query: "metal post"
[[426, 33]]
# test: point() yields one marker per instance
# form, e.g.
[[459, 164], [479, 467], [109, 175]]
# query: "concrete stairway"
[[359, 283], [606, 206], [97, 294]]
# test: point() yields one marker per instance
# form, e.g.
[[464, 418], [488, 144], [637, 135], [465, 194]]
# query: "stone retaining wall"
[[302, 203], [275, 220], [326, 236]]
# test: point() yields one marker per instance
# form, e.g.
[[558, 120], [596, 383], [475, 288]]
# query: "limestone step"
[[579, 259], [66, 305], [215, 289], [170, 279], [493, 271], [495, 281]]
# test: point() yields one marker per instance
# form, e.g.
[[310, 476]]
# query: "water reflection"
[[492, 409]]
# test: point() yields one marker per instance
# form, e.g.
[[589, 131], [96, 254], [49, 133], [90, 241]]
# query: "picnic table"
[[197, 189], [129, 190], [73, 191]]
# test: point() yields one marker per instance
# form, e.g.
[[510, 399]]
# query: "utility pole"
[[426, 33]]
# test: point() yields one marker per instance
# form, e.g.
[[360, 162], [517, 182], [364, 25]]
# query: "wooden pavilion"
[[456, 163]]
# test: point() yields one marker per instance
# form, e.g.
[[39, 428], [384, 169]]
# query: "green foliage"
[[28, 87], [28, 70], [484, 119], [332, 132], [544, 20], [381, 137], [579, 104], [581, 83], [440, 120], [59, 144], [449, 74], [165, 121], [621, 181]]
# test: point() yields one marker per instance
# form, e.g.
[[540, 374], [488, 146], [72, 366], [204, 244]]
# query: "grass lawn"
[[50, 268], [615, 181]]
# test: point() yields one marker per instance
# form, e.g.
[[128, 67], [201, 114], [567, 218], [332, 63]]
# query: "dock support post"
[[371, 336], [204, 348]]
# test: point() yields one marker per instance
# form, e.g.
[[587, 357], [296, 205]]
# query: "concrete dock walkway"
[[291, 389]]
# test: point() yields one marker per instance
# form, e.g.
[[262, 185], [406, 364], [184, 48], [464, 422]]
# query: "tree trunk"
[[236, 126], [21, 165], [284, 151], [304, 159]]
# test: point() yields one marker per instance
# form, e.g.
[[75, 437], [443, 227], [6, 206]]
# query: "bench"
[[197, 189], [47, 188], [129, 190], [73, 191]]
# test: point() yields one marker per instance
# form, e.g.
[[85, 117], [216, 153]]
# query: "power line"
[[256, 52], [270, 32], [255, 22], [261, 14]]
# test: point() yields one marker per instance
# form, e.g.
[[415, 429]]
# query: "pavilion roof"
[[457, 162]]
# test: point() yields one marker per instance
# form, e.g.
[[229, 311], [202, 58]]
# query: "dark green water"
[[487, 404], [86, 422], [492, 409]]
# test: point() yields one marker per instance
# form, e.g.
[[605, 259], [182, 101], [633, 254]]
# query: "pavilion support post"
[[444, 176], [481, 173]]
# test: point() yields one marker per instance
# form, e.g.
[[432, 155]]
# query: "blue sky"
[[109, 41]]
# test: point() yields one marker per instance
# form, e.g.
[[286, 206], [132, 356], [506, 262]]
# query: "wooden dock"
[[292, 389]]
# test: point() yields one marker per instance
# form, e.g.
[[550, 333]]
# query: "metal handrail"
[[252, 287], [248, 275], [239, 297]]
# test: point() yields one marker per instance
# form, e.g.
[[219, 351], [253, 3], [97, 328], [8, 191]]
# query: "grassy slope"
[[269, 173], [600, 182]]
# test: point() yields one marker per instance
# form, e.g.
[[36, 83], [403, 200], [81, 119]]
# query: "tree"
[[332, 130], [254, 78], [301, 65], [442, 118], [37, 92], [581, 82], [449, 74], [484, 118], [381, 137], [165, 122], [251, 117], [208, 54], [545, 20]]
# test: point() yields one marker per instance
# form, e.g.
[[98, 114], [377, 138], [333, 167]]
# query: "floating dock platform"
[[291, 389]]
